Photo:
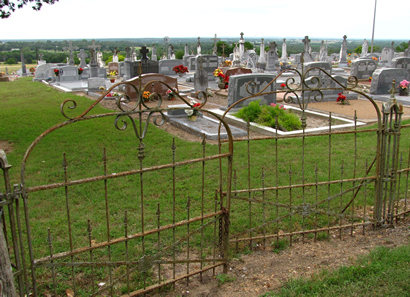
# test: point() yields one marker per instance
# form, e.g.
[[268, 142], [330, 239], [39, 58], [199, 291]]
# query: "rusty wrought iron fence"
[[144, 235], [168, 224], [309, 185]]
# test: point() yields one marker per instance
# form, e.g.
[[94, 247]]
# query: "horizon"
[[123, 19]]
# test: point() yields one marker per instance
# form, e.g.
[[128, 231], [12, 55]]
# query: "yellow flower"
[[146, 94], [217, 71]]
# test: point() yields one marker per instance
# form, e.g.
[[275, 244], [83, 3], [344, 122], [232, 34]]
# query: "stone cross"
[[199, 40], [306, 41], [144, 51], [82, 55], [201, 60], [93, 58], [241, 35], [214, 49], [223, 49], [70, 48], [41, 56], [272, 46], [128, 53]]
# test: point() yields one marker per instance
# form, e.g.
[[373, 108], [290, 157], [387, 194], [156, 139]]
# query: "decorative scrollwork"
[[65, 105]]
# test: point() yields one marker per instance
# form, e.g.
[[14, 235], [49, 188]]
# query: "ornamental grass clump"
[[266, 115]]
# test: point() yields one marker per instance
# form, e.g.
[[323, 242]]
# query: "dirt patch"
[[6, 146], [263, 270]]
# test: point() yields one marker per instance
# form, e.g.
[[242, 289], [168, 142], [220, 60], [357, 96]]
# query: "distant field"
[[14, 67]]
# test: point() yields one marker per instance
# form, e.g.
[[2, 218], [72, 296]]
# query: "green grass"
[[28, 108], [384, 272]]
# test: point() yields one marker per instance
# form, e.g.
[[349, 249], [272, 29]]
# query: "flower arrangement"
[[80, 70], [113, 73], [102, 88], [228, 63], [370, 78], [111, 94], [171, 94], [32, 69], [56, 72], [180, 69], [219, 73], [146, 95], [342, 99], [193, 112], [374, 58], [404, 84]]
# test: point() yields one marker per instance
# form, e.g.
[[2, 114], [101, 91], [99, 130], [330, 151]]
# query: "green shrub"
[[11, 61], [266, 115]]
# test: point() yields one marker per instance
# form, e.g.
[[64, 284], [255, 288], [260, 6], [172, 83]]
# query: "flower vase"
[[192, 118], [180, 74], [221, 85], [403, 92]]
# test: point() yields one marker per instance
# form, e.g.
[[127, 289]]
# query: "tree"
[[402, 47], [8, 6], [248, 45], [11, 61]]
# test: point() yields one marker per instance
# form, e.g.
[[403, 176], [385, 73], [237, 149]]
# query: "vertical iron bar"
[[90, 243], [354, 168], [341, 197], [215, 237], [70, 236], [277, 175], [173, 148], [249, 183], [188, 207], [329, 170], [159, 240], [50, 247], [316, 200], [107, 217], [202, 203], [407, 185], [398, 187], [126, 249], [290, 205], [303, 168], [263, 209], [365, 198]]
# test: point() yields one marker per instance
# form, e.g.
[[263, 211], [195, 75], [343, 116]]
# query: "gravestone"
[[23, 64], [262, 58], [166, 66], [403, 62], [343, 53], [323, 52], [200, 76], [306, 50], [214, 48], [70, 49], [127, 64], [100, 61], [113, 66], [365, 48], [93, 59], [68, 73], [147, 66], [94, 84], [156, 87], [237, 88], [209, 64], [44, 71], [284, 57], [236, 71], [316, 72], [382, 79], [154, 54], [115, 55], [82, 55], [272, 57], [363, 68]]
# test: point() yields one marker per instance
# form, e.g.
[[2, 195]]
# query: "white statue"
[[365, 48], [284, 57]]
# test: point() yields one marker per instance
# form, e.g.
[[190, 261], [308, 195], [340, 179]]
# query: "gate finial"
[[393, 91]]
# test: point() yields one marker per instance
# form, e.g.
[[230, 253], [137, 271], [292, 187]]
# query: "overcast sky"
[[92, 19]]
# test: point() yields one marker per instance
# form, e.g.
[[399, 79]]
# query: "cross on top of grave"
[[41, 56], [201, 60], [272, 46], [241, 35], [82, 55], [144, 51], [306, 41], [215, 40], [70, 48], [199, 40], [223, 49], [93, 47], [128, 53]]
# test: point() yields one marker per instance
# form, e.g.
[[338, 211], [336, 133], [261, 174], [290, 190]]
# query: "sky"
[[324, 19]]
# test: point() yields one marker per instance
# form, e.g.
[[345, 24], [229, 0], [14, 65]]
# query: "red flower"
[[283, 85], [196, 105]]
